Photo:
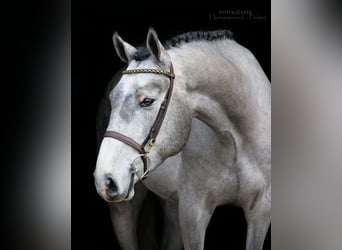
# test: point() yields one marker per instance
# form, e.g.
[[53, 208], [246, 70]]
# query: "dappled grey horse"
[[203, 75]]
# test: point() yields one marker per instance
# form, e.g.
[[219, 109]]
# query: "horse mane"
[[143, 53], [198, 36]]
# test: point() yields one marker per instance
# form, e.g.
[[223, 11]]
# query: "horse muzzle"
[[110, 191]]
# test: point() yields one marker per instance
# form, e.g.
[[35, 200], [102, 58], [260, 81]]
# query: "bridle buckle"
[[150, 145]]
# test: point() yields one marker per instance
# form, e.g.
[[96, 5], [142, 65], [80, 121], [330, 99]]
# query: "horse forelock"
[[141, 54]]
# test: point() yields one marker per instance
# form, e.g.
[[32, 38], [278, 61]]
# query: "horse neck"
[[225, 88]]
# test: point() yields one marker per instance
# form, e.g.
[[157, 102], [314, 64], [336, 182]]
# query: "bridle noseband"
[[151, 138]]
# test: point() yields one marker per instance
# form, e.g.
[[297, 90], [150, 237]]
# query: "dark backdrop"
[[93, 64]]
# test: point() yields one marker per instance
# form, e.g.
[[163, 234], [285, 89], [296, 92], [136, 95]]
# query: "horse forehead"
[[147, 63], [130, 82]]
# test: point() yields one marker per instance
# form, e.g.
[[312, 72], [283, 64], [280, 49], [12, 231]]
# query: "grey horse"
[[218, 82]]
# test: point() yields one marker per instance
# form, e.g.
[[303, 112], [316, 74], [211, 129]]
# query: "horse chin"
[[113, 200], [129, 196]]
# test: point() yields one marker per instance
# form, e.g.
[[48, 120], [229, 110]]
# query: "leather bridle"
[[152, 135]]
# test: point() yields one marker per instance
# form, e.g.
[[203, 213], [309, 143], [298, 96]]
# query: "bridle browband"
[[152, 135]]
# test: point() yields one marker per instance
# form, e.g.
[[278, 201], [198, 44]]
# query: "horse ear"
[[124, 50], [156, 48]]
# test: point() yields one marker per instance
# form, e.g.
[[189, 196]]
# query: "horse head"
[[149, 120]]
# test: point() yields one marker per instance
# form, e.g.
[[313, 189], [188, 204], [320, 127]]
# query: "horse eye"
[[146, 102]]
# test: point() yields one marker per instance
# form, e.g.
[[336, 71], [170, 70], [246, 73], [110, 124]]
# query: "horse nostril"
[[112, 189]]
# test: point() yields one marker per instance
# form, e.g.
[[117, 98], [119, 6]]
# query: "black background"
[[94, 62]]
